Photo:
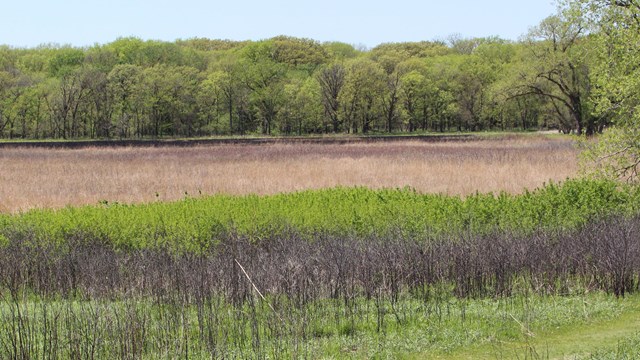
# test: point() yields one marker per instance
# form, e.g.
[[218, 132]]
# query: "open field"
[[36, 178], [346, 273]]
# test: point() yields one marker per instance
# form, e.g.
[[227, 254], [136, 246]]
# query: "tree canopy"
[[131, 88]]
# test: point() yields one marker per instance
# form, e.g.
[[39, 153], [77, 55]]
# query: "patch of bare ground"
[[37, 177]]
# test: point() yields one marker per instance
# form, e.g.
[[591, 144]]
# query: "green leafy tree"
[[331, 79], [10, 93], [170, 99], [412, 93], [96, 111], [514, 110], [340, 51], [303, 112], [559, 70], [391, 95], [473, 79], [224, 82], [304, 54], [422, 49], [124, 93], [211, 102], [264, 77], [195, 87], [101, 57], [65, 97], [439, 106], [207, 45], [616, 79], [64, 60], [361, 94]]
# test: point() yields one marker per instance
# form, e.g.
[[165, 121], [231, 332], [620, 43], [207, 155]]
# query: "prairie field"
[[339, 256], [53, 178]]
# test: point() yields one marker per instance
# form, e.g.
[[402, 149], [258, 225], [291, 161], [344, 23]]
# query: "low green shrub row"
[[196, 223]]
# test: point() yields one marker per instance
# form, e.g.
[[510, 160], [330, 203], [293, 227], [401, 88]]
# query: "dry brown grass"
[[31, 177]]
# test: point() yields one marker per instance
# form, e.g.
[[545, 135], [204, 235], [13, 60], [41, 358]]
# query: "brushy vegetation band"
[[347, 272], [195, 224], [289, 297]]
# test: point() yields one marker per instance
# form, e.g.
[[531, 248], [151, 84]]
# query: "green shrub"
[[196, 223]]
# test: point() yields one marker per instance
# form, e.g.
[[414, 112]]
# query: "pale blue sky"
[[28, 23]]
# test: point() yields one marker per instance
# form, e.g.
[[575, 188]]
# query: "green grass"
[[489, 327], [594, 337], [626, 348], [412, 329]]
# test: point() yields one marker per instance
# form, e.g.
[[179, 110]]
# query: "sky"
[[29, 23]]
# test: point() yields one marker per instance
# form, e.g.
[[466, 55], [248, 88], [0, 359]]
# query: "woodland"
[[133, 88]]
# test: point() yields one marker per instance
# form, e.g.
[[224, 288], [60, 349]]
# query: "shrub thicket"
[[287, 296], [195, 224]]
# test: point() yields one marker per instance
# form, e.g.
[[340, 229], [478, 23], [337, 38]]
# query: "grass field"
[[45, 178], [255, 258]]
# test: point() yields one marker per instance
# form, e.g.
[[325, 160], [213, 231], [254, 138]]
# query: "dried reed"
[[32, 178]]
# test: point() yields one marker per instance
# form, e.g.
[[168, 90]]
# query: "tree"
[[302, 113], [124, 93], [331, 80], [224, 82], [340, 51], [135, 88], [391, 94], [438, 104], [212, 102], [412, 92], [170, 94], [617, 84], [305, 54], [422, 49], [97, 107], [65, 59], [65, 98], [264, 78], [559, 70], [360, 96], [474, 79]]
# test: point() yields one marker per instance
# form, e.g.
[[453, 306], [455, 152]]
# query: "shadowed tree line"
[[131, 88]]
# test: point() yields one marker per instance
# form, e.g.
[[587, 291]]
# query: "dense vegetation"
[[195, 224], [343, 272], [575, 71], [615, 80], [131, 88], [288, 296]]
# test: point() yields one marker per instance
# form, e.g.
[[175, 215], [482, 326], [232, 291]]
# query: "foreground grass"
[[446, 328], [525, 327], [338, 273], [605, 337], [625, 349], [516, 327]]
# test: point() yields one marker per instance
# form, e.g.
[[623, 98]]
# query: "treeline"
[[132, 88]]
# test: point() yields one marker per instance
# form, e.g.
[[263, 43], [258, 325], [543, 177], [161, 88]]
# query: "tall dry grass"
[[33, 177]]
